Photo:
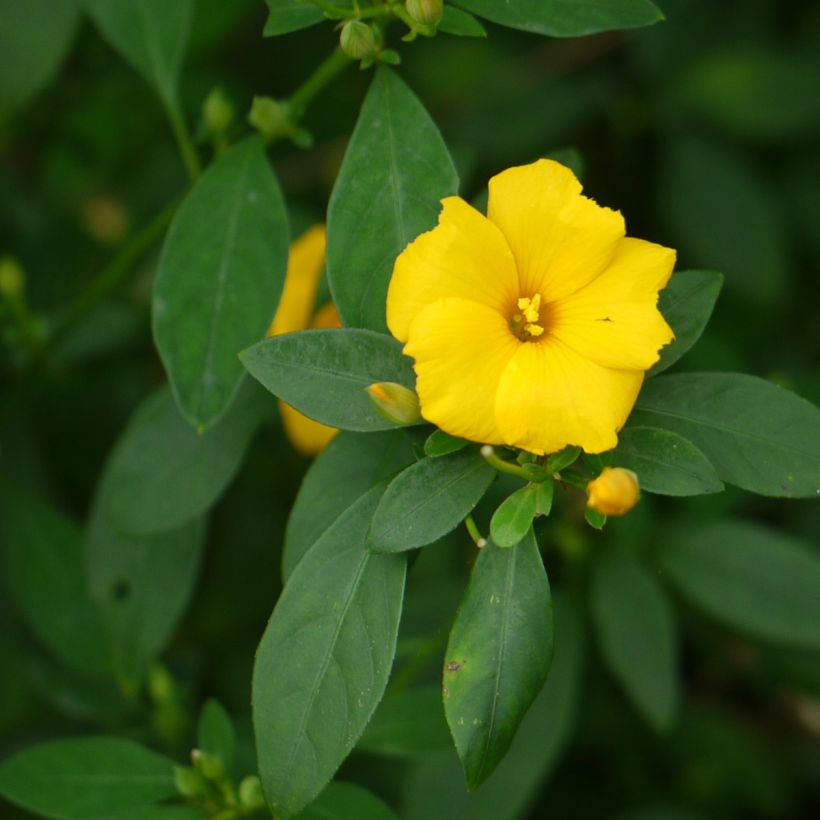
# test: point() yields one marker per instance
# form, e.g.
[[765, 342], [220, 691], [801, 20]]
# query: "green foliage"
[[309, 712], [637, 635], [513, 519], [440, 444], [324, 373], [219, 280], [395, 171], [498, 655], [86, 778], [752, 578], [344, 801], [459, 22], [216, 734], [290, 15]]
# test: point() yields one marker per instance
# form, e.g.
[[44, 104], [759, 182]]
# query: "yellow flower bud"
[[395, 402], [12, 278], [217, 111], [615, 492], [426, 12], [358, 40]]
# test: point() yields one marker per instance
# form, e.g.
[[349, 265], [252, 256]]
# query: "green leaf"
[[758, 436], [324, 373], [408, 724], [216, 734], [665, 462], [346, 469], [86, 778], [395, 172], [595, 519], [166, 473], [151, 35], [440, 444], [429, 499], [544, 493], [719, 208], [752, 578], [344, 801], [45, 566], [35, 37], [290, 15], [498, 654], [456, 21], [430, 793], [566, 18], [220, 278], [563, 459], [686, 303], [336, 624], [513, 519], [637, 635], [141, 583]]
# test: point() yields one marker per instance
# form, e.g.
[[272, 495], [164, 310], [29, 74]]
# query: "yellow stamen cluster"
[[525, 324]]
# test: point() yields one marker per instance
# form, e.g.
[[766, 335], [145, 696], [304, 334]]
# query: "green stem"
[[475, 533], [324, 73], [488, 453], [184, 142]]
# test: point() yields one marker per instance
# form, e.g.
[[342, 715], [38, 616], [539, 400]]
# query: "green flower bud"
[[269, 117], [12, 278], [395, 402], [250, 792], [358, 40], [210, 765], [426, 12], [217, 112], [188, 782]]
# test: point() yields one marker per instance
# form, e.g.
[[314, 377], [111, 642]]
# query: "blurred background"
[[702, 130]]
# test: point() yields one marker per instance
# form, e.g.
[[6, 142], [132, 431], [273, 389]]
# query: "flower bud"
[[188, 782], [12, 278], [357, 39], [250, 792], [269, 117], [395, 402], [615, 492], [426, 12], [217, 111]]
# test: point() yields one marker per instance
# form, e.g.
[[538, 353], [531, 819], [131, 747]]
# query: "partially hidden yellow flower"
[[532, 326], [615, 492], [296, 312]]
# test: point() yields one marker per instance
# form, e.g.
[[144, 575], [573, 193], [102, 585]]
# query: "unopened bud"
[[250, 792], [615, 492], [12, 278], [217, 111], [188, 782], [210, 765], [426, 12], [395, 402], [269, 117], [358, 40]]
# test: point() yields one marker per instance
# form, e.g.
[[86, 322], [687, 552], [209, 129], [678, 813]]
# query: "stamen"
[[530, 315]]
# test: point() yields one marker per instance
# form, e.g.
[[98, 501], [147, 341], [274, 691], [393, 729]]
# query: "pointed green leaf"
[[686, 303], [346, 469], [440, 444], [408, 724], [216, 734], [544, 492], [336, 624], [456, 21], [86, 778], [34, 39], [45, 562], [166, 473], [498, 655], [344, 801], [595, 519], [566, 18], [758, 436], [752, 578], [665, 462], [513, 519], [151, 35], [324, 373], [219, 280], [395, 172], [431, 791], [636, 632], [563, 459], [290, 15], [429, 499]]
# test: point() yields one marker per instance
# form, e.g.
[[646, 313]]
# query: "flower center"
[[525, 322]]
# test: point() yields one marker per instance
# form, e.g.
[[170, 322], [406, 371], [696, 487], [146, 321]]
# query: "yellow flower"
[[615, 492], [533, 326], [296, 312]]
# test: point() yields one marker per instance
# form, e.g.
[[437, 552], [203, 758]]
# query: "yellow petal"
[[560, 239], [614, 320], [309, 437], [465, 256], [461, 349], [326, 317], [550, 396], [305, 263]]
